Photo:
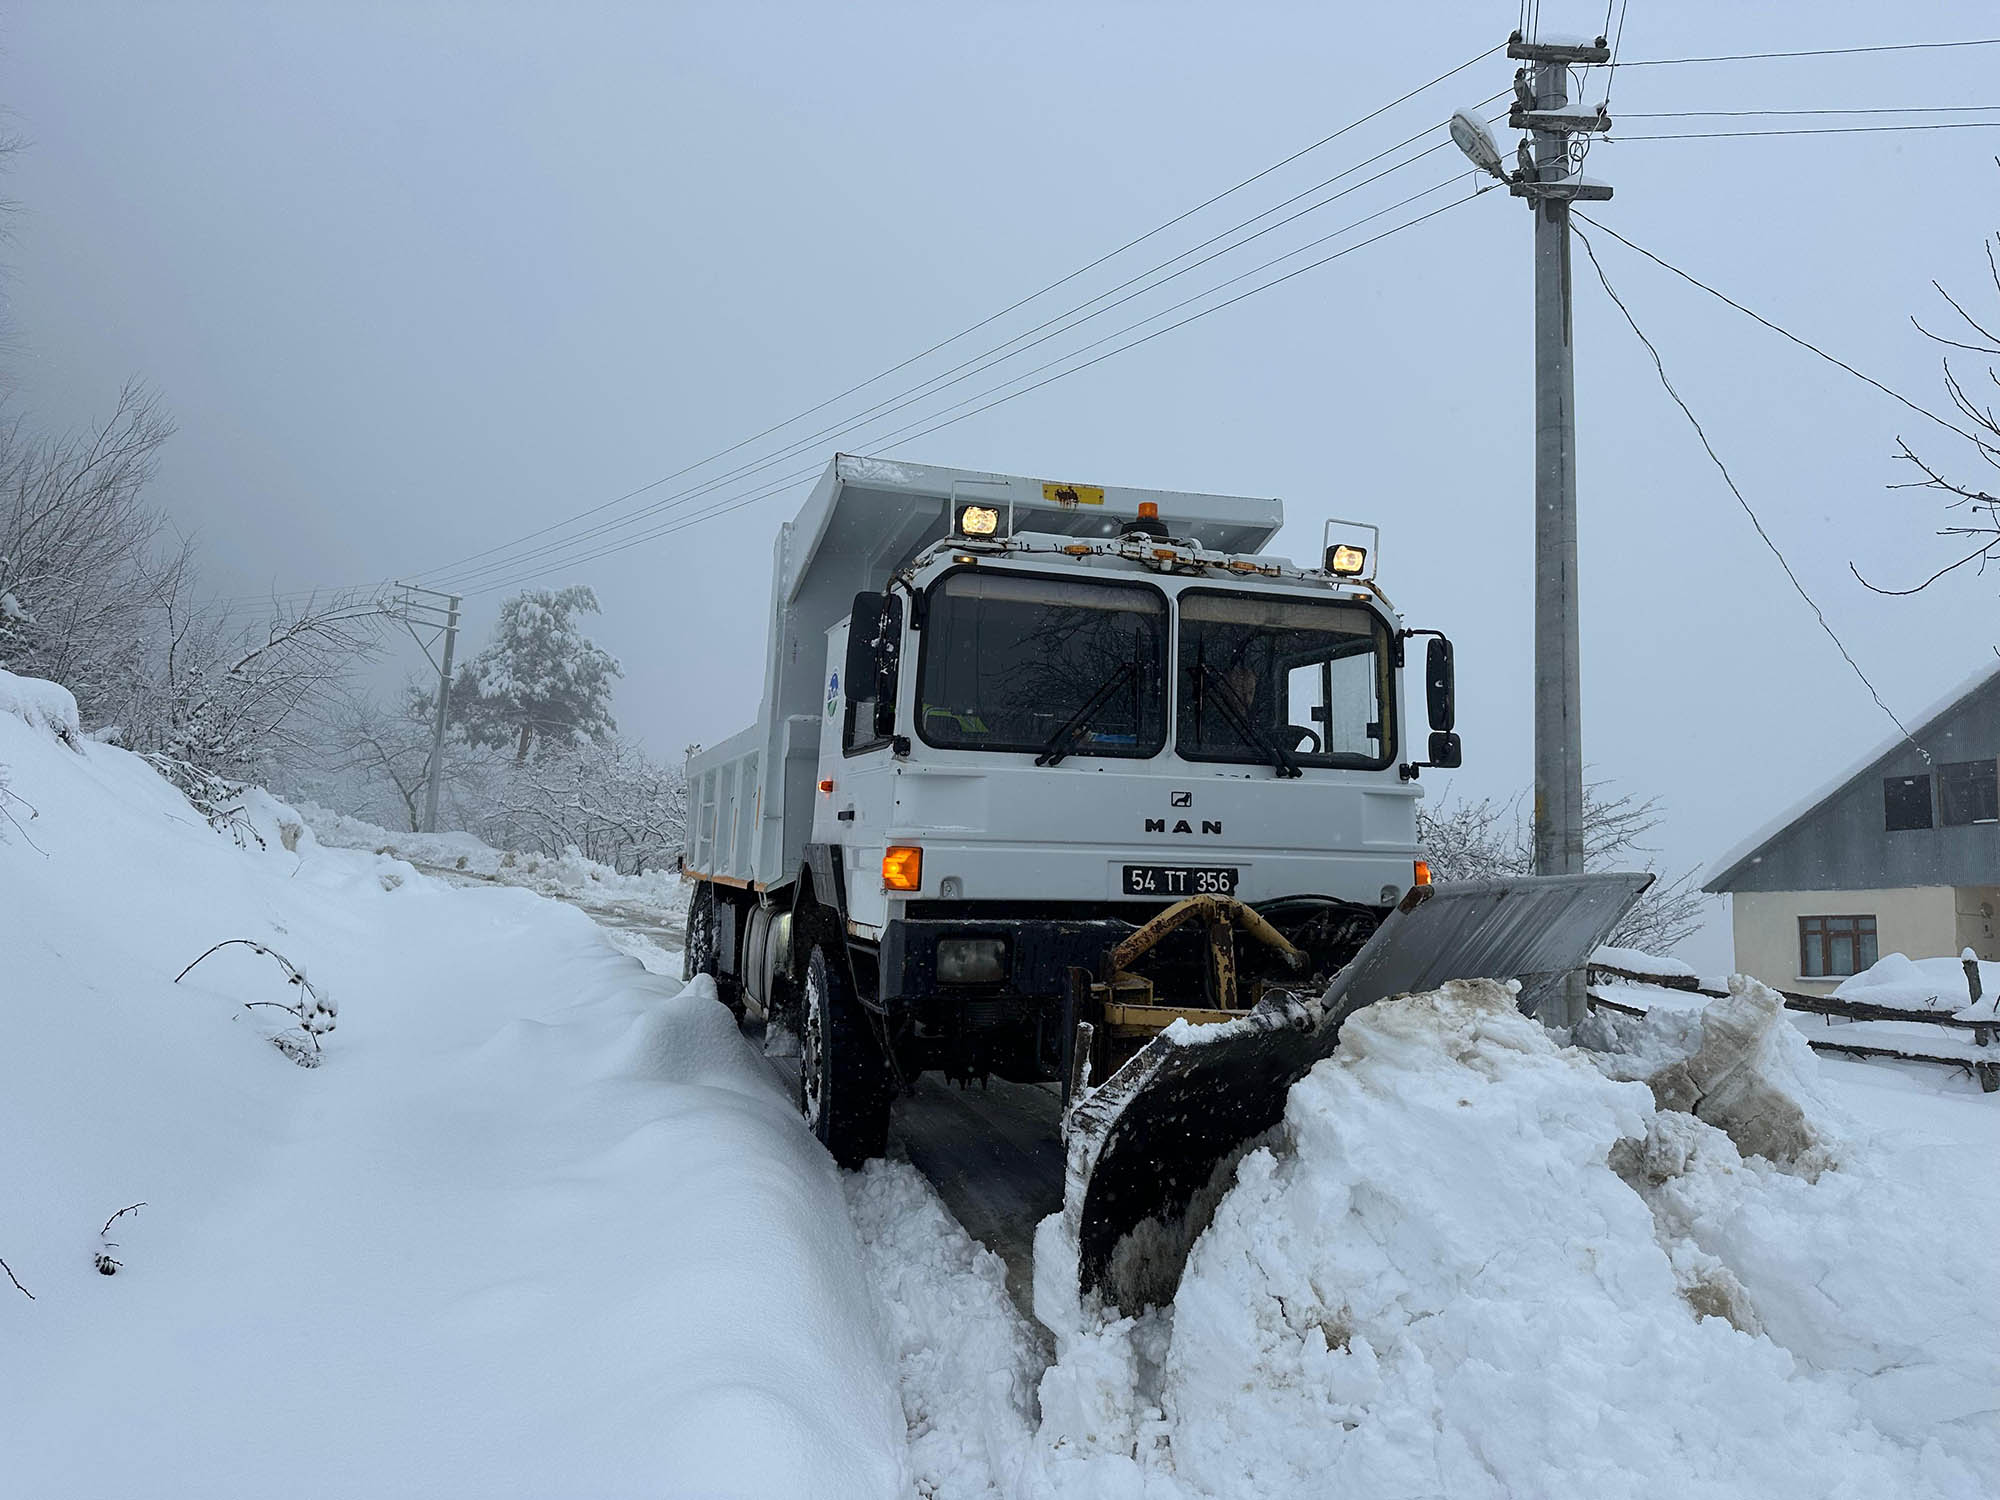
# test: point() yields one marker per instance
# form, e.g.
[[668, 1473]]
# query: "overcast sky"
[[417, 280]]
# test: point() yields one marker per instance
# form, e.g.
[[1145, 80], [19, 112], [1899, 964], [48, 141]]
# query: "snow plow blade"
[[1145, 1148]]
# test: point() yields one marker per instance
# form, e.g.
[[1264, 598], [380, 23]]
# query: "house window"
[[1968, 792], [1834, 947], [1906, 802]]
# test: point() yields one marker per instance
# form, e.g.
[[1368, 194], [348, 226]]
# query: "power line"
[[977, 402], [1722, 135], [995, 357], [1758, 317], [683, 522], [1660, 367], [1003, 312], [1669, 62], [999, 354], [1898, 109]]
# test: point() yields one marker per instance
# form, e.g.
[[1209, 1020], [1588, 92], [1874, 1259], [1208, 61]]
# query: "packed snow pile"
[[1477, 1264], [40, 705], [540, 1224], [568, 876], [1921, 985]]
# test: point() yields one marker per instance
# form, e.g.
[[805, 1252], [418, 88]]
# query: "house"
[[1900, 855]]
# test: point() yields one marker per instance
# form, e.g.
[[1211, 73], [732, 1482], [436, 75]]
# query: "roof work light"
[[1346, 561], [978, 520]]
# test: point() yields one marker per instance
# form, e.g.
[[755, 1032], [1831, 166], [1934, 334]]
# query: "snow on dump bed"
[[1478, 1266], [541, 1224]]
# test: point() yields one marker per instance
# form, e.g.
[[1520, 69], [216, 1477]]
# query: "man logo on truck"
[[1211, 826]]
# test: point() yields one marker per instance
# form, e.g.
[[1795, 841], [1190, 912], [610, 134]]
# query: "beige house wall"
[[1923, 921], [1979, 920]]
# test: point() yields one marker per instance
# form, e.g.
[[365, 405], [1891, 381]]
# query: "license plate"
[[1175, 881]]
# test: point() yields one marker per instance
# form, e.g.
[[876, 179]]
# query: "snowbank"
[[1634, 961], [542, 1223], [1922, 984], [40, 705], [568, 876], [1477, 1265]]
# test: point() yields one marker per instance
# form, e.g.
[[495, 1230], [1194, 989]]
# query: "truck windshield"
[[1277, 680], [1048, 665]]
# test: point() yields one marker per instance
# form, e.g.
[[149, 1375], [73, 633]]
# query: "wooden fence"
[[1985, 1069]]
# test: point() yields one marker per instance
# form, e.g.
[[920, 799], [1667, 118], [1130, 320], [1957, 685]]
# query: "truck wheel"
[[844, 1090], [702, 953]]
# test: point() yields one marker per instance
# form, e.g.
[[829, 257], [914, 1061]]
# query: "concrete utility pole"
[[1542, 108], [434, 774]]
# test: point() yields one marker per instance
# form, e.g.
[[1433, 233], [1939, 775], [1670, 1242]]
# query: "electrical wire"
[[1819, 614], [908, 432], [1724, 135], [1137, 240], [1757, 317], [1730, 114], [967, 369], [1000, 354], [683, 522], [1670, 62]]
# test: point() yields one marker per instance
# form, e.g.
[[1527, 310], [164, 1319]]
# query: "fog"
[[418, 280]]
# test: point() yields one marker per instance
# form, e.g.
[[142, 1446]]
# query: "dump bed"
[[750, 798]]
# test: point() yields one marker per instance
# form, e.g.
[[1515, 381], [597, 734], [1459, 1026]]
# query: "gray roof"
[[1803, 849]]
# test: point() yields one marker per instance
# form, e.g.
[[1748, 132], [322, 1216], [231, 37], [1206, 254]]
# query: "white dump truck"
[[1043, 768]]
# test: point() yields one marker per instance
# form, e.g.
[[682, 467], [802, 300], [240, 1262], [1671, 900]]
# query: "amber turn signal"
[[826, 788], [1423, 872], [902, 868]]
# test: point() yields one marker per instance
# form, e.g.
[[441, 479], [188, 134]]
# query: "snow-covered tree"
[[612, 803], [84, 573], [540, 680]]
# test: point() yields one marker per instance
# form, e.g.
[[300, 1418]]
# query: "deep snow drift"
[[1477, 1265], [539, 1225]]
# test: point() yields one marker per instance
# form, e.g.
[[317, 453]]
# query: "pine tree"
[[541, 680]]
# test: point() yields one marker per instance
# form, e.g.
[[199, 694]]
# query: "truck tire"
[[844, 1087], [702, 953]]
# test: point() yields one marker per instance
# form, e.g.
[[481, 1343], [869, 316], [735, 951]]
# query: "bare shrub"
[[1486, 840]]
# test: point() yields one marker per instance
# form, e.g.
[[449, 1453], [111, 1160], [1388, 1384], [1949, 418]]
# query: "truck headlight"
[[971, 960]]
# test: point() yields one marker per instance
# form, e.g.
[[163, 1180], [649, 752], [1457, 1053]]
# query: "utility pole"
[[448, 626], [1542, 108]]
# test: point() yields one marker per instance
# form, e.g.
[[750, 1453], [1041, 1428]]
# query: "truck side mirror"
[[1441, 690], [1446, 752], [863, 624], [887, 655]]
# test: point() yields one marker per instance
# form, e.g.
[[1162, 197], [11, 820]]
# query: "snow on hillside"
[[540, 1225]]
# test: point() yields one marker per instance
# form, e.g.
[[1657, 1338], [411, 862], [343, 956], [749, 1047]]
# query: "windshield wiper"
[[1064, 739], [1239, 720]]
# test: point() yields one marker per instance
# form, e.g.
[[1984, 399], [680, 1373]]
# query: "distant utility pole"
[[1542, 108], [427, 613]]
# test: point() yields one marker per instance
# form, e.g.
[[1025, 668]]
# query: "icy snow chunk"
[[46, 706], [1739, 1065]]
